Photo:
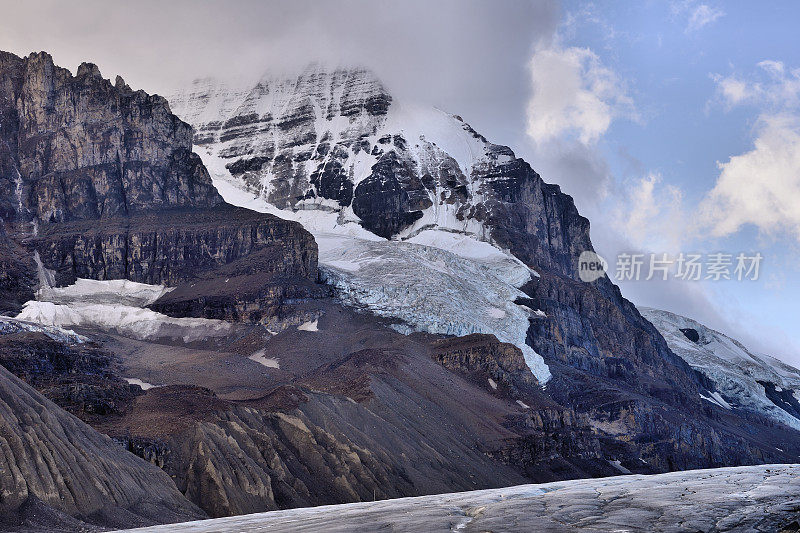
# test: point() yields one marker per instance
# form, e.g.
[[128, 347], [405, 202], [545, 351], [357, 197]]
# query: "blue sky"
[[666, 68], [675, 124]]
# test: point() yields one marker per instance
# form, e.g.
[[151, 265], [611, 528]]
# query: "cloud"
[[579, 169], [733, 91], [574, 94], [772, 88], [574, 100], [464, 56], [760, 187], [649, 214], [701, 16]]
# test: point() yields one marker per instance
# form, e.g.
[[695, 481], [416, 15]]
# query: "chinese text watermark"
[[716, 266]]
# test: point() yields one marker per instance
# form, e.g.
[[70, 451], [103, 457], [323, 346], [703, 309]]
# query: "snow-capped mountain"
[[336, 141], [420, 219], [333, 151], [739, 378]]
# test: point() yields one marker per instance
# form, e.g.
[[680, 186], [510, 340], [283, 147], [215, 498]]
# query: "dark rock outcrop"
[[176, 247], [75, 150], [386, 201], [78, 377], [487, 358], [18, 278]]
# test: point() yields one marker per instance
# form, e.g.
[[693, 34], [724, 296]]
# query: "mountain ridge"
[[306, 358], [425, 173]]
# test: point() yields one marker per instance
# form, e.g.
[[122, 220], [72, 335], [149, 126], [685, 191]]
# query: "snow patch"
[[143, 324], [117, 305], [492, 383], [143, 384], [10, 325], [716, 399], [618, 465], [496, 312], [260, 357], [311, 325], [523, 404], [111, 292]]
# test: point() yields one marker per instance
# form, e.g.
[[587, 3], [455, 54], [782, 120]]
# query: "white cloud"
[[702, 15], [762, 186], [574, 100], [775, 68], [651, 215], [732, 90], [772, 88], [574, 95]]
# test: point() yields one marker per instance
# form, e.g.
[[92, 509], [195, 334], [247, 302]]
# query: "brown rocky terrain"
[[55, 468]]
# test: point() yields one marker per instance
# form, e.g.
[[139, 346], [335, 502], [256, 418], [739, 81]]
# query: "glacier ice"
[[117, 305], [437, 281], [735, 370]]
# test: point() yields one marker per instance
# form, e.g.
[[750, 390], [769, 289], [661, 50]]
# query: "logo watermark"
[[716, 266], [591, 266]]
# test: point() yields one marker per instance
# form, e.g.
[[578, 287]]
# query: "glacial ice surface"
[[432, 289], [737, 499], [437, 281], [116, 305]]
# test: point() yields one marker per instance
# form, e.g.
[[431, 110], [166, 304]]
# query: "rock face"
[[50, 459], [78, 149], [501, 362], [77, 376], [86, 149], [264, 259], [233, 459]]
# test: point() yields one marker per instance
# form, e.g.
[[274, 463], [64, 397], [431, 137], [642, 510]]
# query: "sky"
[[675, 125]]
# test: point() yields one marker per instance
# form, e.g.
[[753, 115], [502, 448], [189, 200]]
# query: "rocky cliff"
[[75, 149], [83, 148]]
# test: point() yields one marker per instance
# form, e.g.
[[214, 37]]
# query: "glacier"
[[737, 372], [738, 499], [116, 305], [437, 281]]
